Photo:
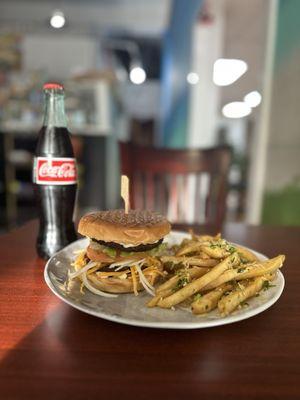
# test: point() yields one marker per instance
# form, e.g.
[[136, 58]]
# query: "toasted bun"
[[116, 285], [136, 227]]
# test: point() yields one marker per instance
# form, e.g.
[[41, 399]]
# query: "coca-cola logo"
[[65, 170], [55, 171]]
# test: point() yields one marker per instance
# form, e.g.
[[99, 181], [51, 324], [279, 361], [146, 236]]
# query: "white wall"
[[204, 96], [259, 151], [59, 58], [283, 154]]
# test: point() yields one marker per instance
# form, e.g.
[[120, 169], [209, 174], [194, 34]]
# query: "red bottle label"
[[54, 171]]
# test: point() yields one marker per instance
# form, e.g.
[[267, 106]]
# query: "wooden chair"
[[185, 185]]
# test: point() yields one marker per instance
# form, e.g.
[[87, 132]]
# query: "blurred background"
[[166, 73]]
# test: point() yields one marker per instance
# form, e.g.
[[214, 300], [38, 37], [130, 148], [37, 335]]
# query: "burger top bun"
[[136, 227]]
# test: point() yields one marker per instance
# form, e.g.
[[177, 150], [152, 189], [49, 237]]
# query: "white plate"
[[131, 310]]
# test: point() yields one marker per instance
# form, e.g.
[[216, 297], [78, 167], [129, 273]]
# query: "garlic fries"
[[210, 273]]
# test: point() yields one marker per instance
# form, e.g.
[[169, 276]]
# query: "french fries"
[[194, 272], [242, 292], [189, 248], [196, 261], [210, 273], [167, 288], [215, 252], [209, 301], [196, 285], [263, 268], [246, 272], [246, 254]]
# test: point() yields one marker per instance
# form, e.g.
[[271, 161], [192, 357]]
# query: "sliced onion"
[[126, 263], [148, 287], [95, 290], [144, 277], [121, 263], [122, 266], [88, 266]]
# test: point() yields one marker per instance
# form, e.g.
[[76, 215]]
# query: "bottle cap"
[[52, 85]]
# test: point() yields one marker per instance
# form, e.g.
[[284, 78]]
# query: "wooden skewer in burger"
[[121, 248]]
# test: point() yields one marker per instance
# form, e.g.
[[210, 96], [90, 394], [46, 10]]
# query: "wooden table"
[[51, 351]]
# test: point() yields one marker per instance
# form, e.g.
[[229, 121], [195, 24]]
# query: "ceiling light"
[[226, 71], [192, 78], [57, 20], [253, 99], [137, 75], [236, 109]]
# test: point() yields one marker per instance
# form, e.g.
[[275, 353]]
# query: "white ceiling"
[[245, 24]]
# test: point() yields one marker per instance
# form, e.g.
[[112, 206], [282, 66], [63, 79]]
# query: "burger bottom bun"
[[116, 285]]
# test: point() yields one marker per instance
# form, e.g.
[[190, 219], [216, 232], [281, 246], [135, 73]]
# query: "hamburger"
[[122, 250]]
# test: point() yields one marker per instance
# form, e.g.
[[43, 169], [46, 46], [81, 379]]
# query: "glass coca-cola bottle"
[[54, 176]]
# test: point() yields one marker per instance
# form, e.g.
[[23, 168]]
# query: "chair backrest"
[[186, 185]]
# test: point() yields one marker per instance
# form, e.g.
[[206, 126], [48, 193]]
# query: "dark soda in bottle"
[[54, 176]]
